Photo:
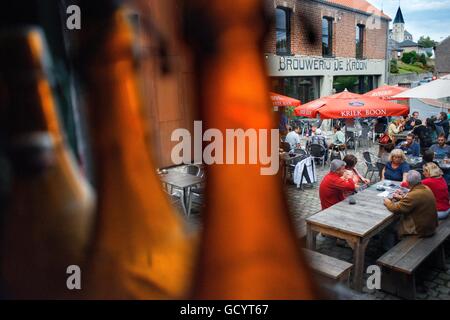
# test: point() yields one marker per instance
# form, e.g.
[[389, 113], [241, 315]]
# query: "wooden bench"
[[328, 267], [401, 262]]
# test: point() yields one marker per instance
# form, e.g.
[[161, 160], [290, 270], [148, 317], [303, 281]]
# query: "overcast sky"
[[422, 17]]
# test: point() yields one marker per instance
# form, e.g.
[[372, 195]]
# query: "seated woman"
[[396, 168], [351, 172], [437, 184]]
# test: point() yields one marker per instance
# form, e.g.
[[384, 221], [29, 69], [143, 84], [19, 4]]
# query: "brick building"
[[443, 57], [350, 51]]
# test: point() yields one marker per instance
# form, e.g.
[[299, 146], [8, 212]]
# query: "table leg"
[[310, 238], [187, 200], [358, 263]]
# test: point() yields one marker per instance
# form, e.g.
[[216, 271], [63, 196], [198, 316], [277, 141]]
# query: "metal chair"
[[300, 151], [371, 166], [318, 151], [291, 166], [364, 137], [350, 140], [285, 146], [193, 170], [197, 195], [309, 180]]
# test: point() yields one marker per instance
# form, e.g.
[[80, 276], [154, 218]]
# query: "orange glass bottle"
[[48, 222], [142, 249], [248, 247]]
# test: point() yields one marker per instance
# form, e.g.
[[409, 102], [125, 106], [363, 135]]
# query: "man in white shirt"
[[293, 138]]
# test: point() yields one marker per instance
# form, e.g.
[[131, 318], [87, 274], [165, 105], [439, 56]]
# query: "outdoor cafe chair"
[[364, 136], [197, 196], [300, 151], [176, 200], [291, 167], [351, 140], [318, 151], [193, 170], [285, 146], [371, 165]]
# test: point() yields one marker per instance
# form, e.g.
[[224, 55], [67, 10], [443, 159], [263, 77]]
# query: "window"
[[283, 30], [327, 36], [360, 41]]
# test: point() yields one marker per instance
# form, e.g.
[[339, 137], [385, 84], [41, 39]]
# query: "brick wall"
[[344, 30]]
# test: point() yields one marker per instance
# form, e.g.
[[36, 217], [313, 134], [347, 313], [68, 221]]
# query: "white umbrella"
[[435, 89]]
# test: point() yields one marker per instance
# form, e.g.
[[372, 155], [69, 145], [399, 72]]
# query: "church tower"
[[398, 30]]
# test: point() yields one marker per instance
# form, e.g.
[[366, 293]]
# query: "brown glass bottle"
[[141, 248], [48, 222], [248, 247]]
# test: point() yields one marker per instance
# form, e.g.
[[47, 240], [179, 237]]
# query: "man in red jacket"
[[334, 186]]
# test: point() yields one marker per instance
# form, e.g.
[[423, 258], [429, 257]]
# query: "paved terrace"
[[306, 203]]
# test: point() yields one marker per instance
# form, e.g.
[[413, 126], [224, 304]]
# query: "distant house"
[[442, 52], [409, 46]]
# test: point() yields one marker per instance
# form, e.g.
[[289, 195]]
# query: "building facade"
[[350, 51], [443, 57]]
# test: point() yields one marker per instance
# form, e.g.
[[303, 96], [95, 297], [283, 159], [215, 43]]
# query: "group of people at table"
[[427, 198]]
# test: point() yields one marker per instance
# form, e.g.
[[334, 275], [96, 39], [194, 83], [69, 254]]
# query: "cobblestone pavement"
[[304, 203]]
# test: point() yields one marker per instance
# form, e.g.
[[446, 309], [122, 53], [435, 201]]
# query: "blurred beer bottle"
[[248, 248], [142, 249], [47, 225]]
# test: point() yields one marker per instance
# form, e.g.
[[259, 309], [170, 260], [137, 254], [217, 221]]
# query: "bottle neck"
[[29, 112]]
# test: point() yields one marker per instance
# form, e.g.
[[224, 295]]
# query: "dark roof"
[[407, 33], [399, 16], [393, 45], [408, 43]]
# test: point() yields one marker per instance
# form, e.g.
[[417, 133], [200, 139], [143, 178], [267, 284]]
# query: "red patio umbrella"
[[279, 100], [386, 92], [350, 105]]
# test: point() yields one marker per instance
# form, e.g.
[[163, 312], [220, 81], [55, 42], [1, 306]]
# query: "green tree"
[[423, 59], [410, 57], [426, 42], [429, 54]]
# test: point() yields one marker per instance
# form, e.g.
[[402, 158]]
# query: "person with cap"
[[333, 186], [417, 210]]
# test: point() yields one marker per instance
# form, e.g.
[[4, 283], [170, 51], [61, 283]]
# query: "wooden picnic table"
[[356, 224], [183, 181]]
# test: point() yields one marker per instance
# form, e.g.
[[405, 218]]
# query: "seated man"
[[333, 187], [410, 147], [417, 210], [293, 138], [319, 139], [440, 149]]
